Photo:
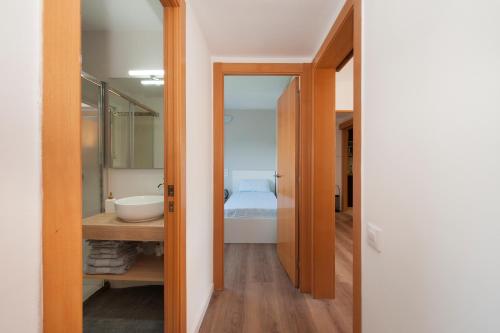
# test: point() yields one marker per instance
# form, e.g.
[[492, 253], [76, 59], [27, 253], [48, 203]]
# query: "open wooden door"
[[286, 180]]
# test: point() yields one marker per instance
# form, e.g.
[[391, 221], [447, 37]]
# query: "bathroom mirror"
[[134, 124]]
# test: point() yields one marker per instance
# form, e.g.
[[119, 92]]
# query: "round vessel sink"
[[140, 208]]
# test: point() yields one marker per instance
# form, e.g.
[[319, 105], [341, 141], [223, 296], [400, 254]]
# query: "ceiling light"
[[146, 73], [152, 82]]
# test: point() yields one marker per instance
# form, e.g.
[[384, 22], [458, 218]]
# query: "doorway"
[[62, 167], [254, 270], [220, 71], [260, 156]]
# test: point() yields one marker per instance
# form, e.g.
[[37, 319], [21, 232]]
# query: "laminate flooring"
[[259, 297]]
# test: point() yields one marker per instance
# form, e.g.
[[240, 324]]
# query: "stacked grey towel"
[[111, 257]]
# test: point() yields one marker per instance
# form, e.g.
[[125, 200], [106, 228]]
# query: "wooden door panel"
[[323, 250], [287, 113]]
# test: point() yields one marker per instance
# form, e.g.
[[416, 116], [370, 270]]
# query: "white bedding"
[[251, 205]]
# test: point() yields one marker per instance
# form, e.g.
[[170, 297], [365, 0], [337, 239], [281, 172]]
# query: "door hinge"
[[171, 206], [170, 190]]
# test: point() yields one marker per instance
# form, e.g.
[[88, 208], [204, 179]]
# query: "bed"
[[250, 211]]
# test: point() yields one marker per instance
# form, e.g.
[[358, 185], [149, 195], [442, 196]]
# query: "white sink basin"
[[140, 208]]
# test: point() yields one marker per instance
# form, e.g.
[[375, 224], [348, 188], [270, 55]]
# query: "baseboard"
[[204, 311]]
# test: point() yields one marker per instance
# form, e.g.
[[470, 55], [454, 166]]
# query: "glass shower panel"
[[91, 162], [120, 127], [143, 138]]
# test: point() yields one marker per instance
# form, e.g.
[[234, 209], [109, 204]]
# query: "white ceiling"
[[121, 15], [253, 92], [266, 28]]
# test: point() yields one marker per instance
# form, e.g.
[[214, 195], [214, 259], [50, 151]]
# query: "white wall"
[[108, 54], [344, 88], [20, 167], [431, 161], [130, 182], [249, 141], [199, 182]]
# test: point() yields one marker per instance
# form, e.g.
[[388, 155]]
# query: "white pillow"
[[254, 185]]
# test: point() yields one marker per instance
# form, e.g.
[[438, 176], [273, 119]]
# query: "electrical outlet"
[[374, 237], [226, 172]]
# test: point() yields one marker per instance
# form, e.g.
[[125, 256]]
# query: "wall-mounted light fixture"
[[152, 82], [146, 73], [153, 77]]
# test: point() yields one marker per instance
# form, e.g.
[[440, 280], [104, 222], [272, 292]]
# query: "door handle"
[[279, 176]]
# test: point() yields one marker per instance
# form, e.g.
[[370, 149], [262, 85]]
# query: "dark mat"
[[136, 309]]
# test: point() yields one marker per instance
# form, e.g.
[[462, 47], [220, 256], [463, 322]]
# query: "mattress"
[[251, 205]]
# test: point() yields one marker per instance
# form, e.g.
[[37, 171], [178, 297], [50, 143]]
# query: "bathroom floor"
[[135, 309]]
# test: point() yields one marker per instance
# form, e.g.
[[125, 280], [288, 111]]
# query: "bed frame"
[[238, 175], [250, 230]]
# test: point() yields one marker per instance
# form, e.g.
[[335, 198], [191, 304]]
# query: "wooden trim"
[[218, 137], [339, 41], [346, 124], [323, 190], [175, 165], [304, 207], [305, 186], [261, 69], [345, 61], [333, 51], [61, 168], [343, 111], [172, 3]]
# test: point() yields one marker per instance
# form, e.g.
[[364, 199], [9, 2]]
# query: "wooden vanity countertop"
[[107, 226]]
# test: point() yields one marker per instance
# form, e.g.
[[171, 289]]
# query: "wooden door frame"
[[61, 167], [304, 201], [343, 40]]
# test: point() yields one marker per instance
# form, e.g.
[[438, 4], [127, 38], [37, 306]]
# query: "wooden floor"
[[260, 298]]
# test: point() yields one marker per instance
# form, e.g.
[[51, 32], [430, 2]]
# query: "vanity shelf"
[[146, 268], [107, 226]]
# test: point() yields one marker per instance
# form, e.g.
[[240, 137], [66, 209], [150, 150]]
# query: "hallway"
[[260, 298]]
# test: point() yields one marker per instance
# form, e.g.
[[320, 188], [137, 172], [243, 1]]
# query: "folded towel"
[[108, 245], [112, 255], [104, 249], [112, 262], [108, 270]]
